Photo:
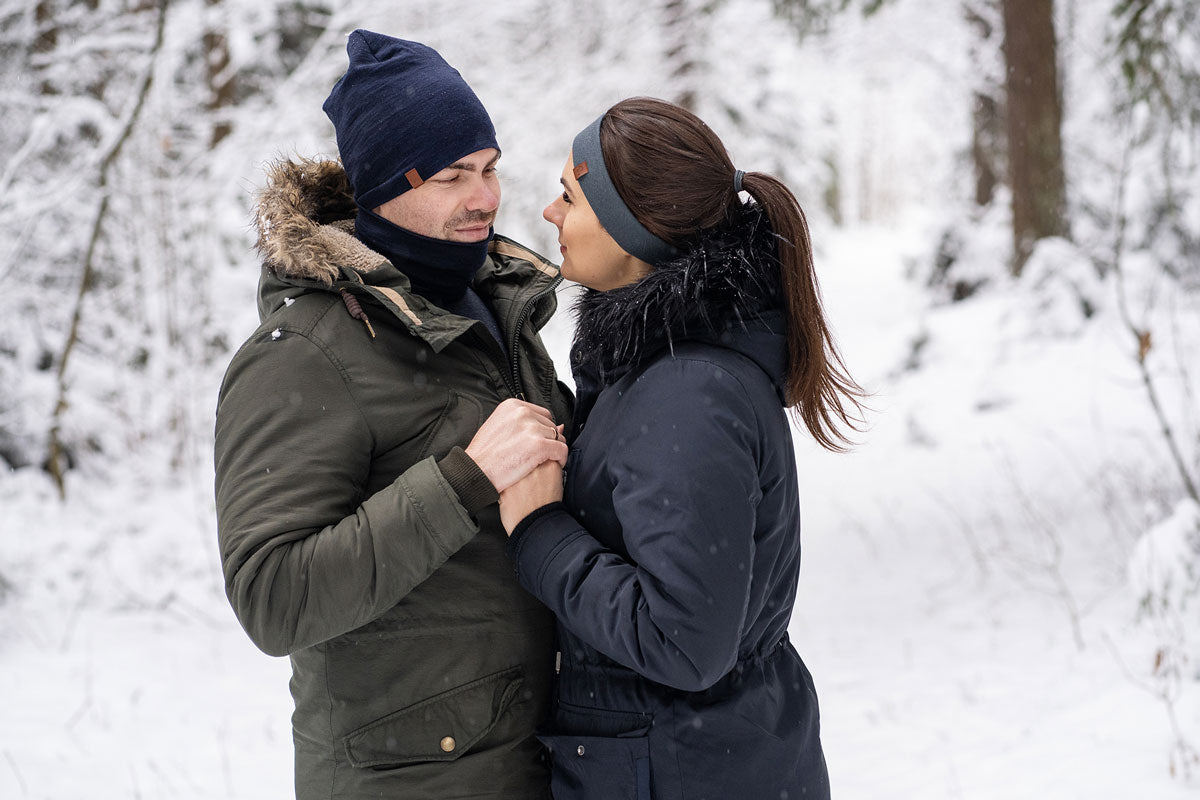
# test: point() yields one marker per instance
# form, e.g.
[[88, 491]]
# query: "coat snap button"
[[448, 744], [580, 750]]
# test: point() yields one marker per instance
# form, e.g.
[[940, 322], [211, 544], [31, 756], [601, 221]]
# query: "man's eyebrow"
[[467, 166]]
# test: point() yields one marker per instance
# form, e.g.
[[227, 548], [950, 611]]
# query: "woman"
[[672, 564]]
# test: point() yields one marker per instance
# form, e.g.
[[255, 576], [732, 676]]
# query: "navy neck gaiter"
[[439, 270]]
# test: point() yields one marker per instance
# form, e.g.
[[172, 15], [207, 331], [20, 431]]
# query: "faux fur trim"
[[305, 223], [728, 276]]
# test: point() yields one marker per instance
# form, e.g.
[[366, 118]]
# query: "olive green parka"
[[355, 535]]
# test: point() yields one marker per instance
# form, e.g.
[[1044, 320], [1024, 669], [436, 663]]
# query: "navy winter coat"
[[672, 562]]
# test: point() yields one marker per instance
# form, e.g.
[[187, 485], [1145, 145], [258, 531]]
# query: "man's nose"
[[484, 196]]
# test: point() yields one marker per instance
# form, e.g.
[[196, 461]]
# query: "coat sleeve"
[[305, 556], [684, 464]]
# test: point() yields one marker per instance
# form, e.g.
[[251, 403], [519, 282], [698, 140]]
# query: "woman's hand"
[[542, 486]]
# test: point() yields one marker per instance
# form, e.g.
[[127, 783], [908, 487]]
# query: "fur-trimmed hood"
[[305, 221], [724, 289]]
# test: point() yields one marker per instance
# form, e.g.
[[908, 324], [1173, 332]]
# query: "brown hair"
[[676, 177]]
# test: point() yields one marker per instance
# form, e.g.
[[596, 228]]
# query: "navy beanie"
[[401, 114]]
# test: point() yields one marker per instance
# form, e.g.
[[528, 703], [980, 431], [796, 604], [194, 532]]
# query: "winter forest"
[[1000, 594]]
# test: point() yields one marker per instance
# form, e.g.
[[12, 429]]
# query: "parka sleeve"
[[305, 556], [686, 489]]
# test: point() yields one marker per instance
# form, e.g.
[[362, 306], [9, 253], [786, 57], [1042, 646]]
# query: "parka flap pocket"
[[599, 767], [439, 728]]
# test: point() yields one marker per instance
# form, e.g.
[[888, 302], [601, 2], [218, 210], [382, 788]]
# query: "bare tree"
[[56, 457]]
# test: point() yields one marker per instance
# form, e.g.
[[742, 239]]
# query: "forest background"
[[1001, 589]]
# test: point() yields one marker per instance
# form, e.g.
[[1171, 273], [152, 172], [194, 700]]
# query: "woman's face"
[[590, 256]]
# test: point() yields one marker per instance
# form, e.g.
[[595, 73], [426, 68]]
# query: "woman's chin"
[[569, 273]]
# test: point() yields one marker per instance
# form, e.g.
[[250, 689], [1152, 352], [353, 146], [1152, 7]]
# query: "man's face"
[[457, 204]]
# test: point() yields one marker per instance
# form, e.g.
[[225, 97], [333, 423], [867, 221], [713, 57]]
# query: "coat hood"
[[724, 290], [305, 221]]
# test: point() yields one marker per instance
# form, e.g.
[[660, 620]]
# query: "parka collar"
[[724, 290], [305, 222]]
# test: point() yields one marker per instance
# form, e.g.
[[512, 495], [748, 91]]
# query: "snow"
[[951, 560], [999, 591]]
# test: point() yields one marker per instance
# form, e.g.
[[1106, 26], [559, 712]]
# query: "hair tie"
[[737, 180]]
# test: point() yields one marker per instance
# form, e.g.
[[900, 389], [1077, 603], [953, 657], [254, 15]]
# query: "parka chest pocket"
[[460, 417], [439, 728]]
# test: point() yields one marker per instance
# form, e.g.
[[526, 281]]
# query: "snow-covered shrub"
[[1062, 288], [1164, 574]]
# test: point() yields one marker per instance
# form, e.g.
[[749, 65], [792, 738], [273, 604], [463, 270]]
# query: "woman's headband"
[[614, 215]]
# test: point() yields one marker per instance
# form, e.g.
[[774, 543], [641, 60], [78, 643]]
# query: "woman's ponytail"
[[818, 386]]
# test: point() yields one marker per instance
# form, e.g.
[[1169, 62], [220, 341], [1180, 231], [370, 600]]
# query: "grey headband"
[[612, 212]]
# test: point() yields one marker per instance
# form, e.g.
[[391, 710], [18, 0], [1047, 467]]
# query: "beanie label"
[[414, 177]]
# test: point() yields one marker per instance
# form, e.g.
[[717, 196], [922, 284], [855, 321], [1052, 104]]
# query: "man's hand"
[[541, 487], [517, 437]]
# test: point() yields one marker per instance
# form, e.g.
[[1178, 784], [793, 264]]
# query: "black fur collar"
[[727, 277]]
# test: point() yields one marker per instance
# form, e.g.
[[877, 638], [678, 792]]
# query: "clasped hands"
[[522, 452]]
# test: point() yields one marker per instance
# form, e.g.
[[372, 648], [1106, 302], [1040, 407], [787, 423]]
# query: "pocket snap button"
[[579, 750], [448, 744]]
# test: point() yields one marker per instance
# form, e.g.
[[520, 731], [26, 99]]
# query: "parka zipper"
[[514, 352]]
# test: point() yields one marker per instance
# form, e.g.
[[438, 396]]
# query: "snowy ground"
[[964, 603]]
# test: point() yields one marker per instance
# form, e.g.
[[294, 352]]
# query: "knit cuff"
[[468, 481]]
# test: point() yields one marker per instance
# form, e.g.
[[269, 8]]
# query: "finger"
[[535, 408], [556, 451], [540, 425]]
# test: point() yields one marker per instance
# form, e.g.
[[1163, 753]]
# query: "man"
[[364, 431]]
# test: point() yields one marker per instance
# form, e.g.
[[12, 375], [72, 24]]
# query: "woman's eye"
[[565, 198]]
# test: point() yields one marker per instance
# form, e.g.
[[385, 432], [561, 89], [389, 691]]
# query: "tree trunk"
[[221, 82], [45, 38], [1035, 162], [987, 107], [679, 38]]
